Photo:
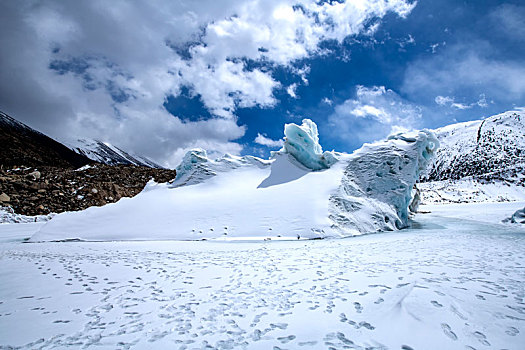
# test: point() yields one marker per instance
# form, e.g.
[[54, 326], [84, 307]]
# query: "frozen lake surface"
[[448, 283]]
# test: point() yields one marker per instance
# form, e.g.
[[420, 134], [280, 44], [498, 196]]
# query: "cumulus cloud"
[[377, 112], [382, 105], [265, 141], [104, 69]]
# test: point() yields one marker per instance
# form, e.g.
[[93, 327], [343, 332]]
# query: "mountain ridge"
[[104, 152]]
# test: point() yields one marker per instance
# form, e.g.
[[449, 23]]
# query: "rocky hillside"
[[107, 153], [478, 161], [488, 150], [20, 144], [39, 175], [43, 190]]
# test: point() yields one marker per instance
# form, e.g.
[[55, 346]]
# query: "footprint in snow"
[[512, 331], [358, 307], [287, 339], [482, 338], [448, 331]]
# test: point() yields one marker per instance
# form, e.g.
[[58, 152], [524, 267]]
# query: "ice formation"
[[518, 217], [376, 187], [189, 162], [300, 193], [196, 167], [302, 142]]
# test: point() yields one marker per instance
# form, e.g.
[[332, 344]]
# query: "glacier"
[[300, 193]]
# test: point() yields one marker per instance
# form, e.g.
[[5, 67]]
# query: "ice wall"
[[376, 189]]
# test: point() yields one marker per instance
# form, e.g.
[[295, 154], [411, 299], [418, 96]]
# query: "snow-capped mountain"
[[301, 192], [489, 149], [482, 160], [106, 153]]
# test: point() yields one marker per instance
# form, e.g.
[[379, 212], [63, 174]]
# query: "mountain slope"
[[489, 149], [106, 153], [22, 145], [39, 175], [482, 160]]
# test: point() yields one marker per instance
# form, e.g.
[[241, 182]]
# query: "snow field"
[[445, 284]]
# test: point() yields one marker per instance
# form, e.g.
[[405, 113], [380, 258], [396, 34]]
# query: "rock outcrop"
[[44, 190]]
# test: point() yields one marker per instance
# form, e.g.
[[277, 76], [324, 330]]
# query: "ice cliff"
[[301, 192]]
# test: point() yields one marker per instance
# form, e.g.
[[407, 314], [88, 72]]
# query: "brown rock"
[[35, 175], [4, 197], [60, 189]]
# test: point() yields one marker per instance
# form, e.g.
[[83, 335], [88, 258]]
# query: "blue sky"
[[158, 78]]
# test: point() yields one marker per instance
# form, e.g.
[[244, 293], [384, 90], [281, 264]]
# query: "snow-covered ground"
[[492, 213], [7, 215], [468, 190], [447, 283]]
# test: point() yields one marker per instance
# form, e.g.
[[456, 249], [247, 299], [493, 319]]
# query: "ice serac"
[[302, 142], [196, 167], [186, 170], [376, 187], [301, 193]]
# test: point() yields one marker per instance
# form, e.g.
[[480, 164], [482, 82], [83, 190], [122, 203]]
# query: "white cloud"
[[291, 90], [265, 141], [327, 101], [114, 63], [302, 72], [443, 100], [450, 102], [376, 112], [407, 41], [381, 104], [463, 70], [482, 102]]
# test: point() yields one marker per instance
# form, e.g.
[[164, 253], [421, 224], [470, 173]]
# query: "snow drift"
[[300, 192]]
